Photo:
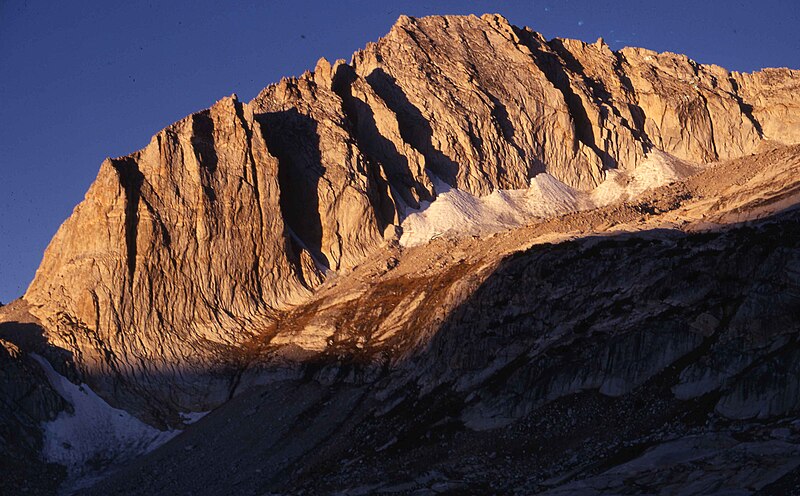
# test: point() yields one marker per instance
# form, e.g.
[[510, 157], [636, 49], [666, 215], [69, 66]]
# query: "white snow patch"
[[192, 417], [656, 170], [458, 212], [95, 435]]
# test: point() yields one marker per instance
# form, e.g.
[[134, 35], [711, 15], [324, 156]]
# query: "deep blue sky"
[[83, 80]]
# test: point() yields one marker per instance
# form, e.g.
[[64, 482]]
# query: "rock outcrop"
[[177, 253], [182, 252]]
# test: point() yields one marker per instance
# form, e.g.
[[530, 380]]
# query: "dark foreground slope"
[[655, 361], [26, 401]]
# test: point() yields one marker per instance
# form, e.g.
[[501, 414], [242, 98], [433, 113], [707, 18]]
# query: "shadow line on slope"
[[514, 315]]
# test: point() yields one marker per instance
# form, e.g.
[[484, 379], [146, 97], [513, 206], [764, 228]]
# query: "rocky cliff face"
[[183, 251], [188, 255], [566, 357], [254, 247]]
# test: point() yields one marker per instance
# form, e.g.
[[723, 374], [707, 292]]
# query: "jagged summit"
[[192, 245]]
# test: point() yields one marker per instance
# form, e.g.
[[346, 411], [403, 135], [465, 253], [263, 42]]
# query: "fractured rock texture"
[[184, 251]]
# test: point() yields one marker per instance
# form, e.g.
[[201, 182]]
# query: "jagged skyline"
[[470, 260], [113, 77]]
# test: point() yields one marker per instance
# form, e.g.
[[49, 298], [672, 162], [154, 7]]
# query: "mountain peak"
[[320, 168], [176, 277]]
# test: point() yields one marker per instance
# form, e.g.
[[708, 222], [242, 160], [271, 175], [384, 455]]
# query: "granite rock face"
[[182, 252], [565, 357], [177, 254], [249, 257]]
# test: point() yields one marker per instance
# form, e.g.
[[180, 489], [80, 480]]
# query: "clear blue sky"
[[82, 80]]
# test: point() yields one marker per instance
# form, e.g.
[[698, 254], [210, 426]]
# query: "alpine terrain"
[[468, 261]]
